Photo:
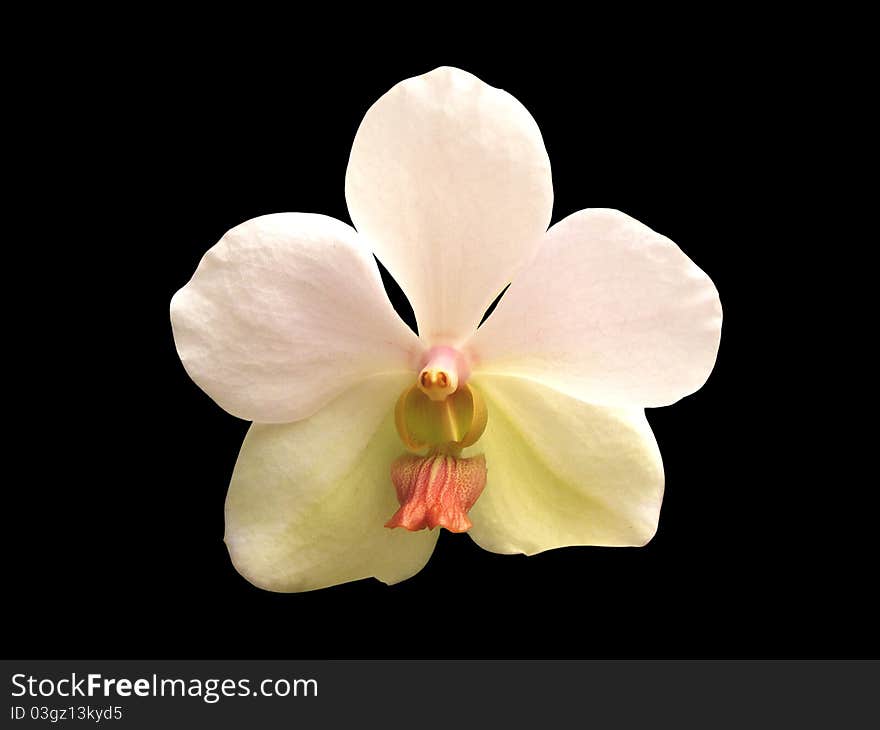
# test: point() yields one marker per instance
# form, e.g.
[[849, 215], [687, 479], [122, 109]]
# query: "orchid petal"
[[609, 312], [309, 500], [563, 472], [285, 313], [450, 182]]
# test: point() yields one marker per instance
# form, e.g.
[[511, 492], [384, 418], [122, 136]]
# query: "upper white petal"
[[283, 314], [609, 312], [308, 500], [450, 182], [563, 472]]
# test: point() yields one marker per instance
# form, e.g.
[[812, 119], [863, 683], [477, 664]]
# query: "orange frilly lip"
[[436, 490]]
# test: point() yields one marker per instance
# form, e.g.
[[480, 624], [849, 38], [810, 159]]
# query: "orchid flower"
[[527, 431]]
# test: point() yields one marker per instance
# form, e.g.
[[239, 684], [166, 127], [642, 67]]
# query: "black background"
[[116, 525]]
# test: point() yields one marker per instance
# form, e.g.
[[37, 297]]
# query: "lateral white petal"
[[563, 472], [283, 314], [308, 501], [609, 312], [450, 182]]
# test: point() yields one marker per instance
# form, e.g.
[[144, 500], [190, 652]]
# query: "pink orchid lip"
[[436, 490], [442, 371]]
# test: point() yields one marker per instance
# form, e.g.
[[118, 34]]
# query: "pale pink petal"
[[609, 312], [283, 314], [450, 182]]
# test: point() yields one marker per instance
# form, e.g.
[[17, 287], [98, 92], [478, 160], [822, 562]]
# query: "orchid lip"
[[442, 413], [436, 490]]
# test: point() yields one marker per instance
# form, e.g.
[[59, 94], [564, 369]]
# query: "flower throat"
[[439, 415]]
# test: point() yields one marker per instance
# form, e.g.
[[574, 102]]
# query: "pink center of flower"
[[443, 371]]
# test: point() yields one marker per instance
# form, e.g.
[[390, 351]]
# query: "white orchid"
[[529, 432]]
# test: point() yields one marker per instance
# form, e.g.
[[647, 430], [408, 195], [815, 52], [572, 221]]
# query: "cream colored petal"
[[308, 500], [450, 182], [285, 313], [609, 312], [562, 472]]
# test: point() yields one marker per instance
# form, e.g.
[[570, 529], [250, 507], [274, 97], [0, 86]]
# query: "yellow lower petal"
[[563, 472], [308, 500]]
